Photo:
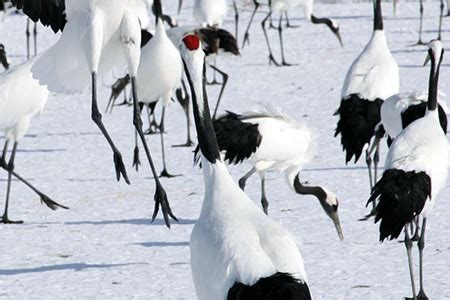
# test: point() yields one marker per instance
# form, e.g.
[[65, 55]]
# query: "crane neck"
[[378, 16], [316, 191], [157, 10], [195, 73], [434, 79]]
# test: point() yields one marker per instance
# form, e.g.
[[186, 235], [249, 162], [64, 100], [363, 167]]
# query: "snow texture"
[[105, 247]]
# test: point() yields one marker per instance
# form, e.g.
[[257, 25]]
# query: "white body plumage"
[[160, 69], [281, 6], [210, 12], [21, 98], [395, 105], [375, 73], [233, 240], [286, 145], [422, 146], [91, 42]]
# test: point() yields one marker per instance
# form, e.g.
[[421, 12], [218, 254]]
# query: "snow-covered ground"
[[106, 247]]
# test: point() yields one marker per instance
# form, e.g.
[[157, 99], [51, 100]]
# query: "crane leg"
[[27, 33], [214, 81], [222, 89], [183, 98], [164, 172], [236, 19], [421, 245], [369, 167], [35, 38], [440, 19], [376, 160], [160, 194], [280, 33], [264, 202], [247, 30], [288, 23], [263, 24], [153, 125], [244, 178], [97, 118], [408, 245], [180, 5], [10, 168], [44, 198], [136, 159], [420, 42], [448, 9]]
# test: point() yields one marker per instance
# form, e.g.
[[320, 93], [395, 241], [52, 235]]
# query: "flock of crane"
[[237, 250]]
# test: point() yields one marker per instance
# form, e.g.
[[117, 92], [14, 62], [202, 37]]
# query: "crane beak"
[[335, 217], [338, 35], [427, 59]]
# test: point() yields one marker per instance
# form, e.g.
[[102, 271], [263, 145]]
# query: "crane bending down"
[[272, 141]]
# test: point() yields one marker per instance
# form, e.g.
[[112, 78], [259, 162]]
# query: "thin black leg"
[[448, 9], [214, 81], [263, 24], [376, 160], [154, 127], [244, 178], [408, 245], [264, 202], [97, 118], [280, 33], [10, 167], [164, 172], [183, 98], [420, 42], [236, 19], [160, 194], [421, 245], [136, 160], [3, 158], [288, 23], [247, 30], [222, 89], [35, 38], [27, 33]]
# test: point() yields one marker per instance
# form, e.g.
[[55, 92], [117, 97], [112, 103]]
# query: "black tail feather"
[[278, 286], [402, 197], [358, 119]]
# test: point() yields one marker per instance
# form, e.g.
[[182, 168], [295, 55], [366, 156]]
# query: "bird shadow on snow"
[[61, 267], [131, 222], [163, 244]]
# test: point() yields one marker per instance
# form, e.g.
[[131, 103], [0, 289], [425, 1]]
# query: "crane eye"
[[192, 42]]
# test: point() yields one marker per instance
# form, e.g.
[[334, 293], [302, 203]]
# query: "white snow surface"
[[106, 247]]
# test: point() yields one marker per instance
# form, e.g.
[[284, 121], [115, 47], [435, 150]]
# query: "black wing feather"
[[278, 286], [238, 139], [49, 12], [402, 197], [358, 119]]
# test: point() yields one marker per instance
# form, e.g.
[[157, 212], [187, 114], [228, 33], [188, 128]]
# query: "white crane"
[[3, 57], [21, 98], [99, 35], [372, 78], [236, 250], [271, 141], [281, 7], [416, 170], [159, 74]]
